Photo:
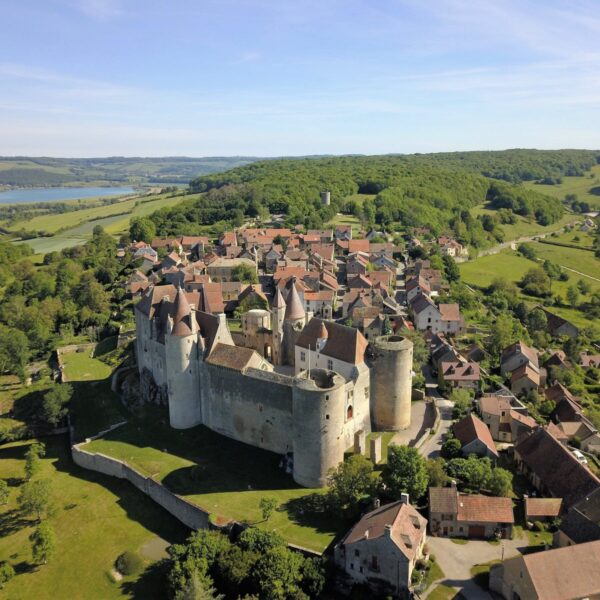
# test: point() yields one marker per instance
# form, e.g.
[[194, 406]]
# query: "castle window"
[[366, 392], [327, 417], [357, 553], [349, 413], [302, 356], [330, 364]]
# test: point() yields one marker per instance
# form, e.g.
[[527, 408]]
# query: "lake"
[[61, 193]]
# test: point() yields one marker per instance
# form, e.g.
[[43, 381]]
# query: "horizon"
[[101, 78]]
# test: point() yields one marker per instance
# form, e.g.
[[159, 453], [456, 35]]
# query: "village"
[[473, 409]]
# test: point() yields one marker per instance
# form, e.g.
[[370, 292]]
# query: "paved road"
[[456, 561], [431, 448]]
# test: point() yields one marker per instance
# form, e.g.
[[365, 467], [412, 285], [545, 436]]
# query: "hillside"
[[393, 192], [42, 171]]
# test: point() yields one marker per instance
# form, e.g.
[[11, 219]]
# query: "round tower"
[[181, 355], [391, 383], [293, 323], [326, 198], [319, 416], [278, 307]]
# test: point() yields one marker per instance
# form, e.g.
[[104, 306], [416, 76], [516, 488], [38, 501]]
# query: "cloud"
[[99, 10]]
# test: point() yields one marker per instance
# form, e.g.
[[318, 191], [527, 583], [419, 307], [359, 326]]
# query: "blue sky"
[[270, 78]]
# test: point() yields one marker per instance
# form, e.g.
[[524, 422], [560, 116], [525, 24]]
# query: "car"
[[580, 457]]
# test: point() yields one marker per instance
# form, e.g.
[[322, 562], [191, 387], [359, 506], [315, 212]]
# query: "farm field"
[[580, 260], [225, 477], [96, 518], [580, 186]]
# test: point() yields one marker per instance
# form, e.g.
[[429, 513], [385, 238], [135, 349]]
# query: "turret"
[[294, 321], [391, 383], [278, 307], [319, 417], [181, 352]]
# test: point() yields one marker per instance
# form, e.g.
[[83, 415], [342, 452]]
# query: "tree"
[[451, 448], [258, 540], [573, 296], [313, 576], [267, 506], [142, 229], [527, 250], [244, 273], [14, 351], [54, 404], [197, 588], [6, 573], [536, 283], [500, 482], [405, 472], [4, 492], [32, 459], [277, 574], [435, 472], [349, 482], [584, 287], [42, 543], [463, 402], [35, 498], [451, 269]]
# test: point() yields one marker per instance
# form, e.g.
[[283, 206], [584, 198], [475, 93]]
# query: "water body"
[[61, 193]]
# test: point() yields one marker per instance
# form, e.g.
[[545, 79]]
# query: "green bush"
[[539, 526], [129, 563]]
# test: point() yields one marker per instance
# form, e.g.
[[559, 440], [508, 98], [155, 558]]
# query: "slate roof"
[[344, 343], [558, 470], [582, 521]]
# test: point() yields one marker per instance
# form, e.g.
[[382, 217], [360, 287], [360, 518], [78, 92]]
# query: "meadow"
[[580, 186]]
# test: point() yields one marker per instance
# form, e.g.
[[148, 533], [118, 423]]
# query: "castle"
[[298, 385]]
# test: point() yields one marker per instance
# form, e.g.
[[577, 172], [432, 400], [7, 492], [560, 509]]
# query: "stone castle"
[[296, 385]]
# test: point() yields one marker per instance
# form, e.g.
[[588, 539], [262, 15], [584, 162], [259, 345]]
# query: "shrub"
[[539, 526], [129, 563], [6, 573]]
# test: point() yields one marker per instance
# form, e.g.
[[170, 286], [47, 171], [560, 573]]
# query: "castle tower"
[[391, 383], [326, 198], [293, 323], [278, 308], [319, 413], [181, 355]]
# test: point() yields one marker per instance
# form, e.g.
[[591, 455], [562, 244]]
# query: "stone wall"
[[189, 514]]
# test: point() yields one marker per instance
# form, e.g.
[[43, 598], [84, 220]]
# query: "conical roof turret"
[[182, 316], [278, 301], [294, 309]]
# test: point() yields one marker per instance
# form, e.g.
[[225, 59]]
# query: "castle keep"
[[307, 402]]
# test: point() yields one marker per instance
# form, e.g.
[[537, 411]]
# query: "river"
[[55, 194]]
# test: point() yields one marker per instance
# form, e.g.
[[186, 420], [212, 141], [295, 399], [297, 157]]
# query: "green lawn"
[[482, 271], [225, 477], [575, 237], [445, 592], [583, 261], [481, 573], [80, 366], [96, 518], [580, 186], [346, 220]]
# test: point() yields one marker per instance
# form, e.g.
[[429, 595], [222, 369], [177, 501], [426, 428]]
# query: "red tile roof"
[[471, 428]]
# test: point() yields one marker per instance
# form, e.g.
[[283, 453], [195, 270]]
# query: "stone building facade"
[[311, 416]]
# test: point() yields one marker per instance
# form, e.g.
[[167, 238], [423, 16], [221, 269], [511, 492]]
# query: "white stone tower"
[[293, 324]]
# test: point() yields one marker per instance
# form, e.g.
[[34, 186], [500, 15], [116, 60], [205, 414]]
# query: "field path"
[[580, 273]]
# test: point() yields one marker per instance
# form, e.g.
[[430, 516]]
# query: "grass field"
[[80, 366], [580, 186], [96, 518], [223, 476], [573, 258], [527, 227], [351, 220]]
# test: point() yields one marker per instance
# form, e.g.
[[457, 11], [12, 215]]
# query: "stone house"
[[222, 268], [541, 509], [452, 514], [517, 355], [581, 523], [382, 548], [505, 417], [524, 379], [553, 469], [475, 437], [569, 573], [460, 375], [557, 326]]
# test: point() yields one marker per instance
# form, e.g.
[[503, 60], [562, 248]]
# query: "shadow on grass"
[[150, 585], [136, 505], [12, 521]]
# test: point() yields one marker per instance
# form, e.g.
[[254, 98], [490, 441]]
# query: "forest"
[[436, 190]]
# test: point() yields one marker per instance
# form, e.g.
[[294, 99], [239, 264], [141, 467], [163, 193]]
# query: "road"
[[431, 448]]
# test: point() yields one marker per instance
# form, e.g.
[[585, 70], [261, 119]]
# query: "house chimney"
[[387, 531], [453, 483], [404, 498], [376, 503], [366, 534]]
